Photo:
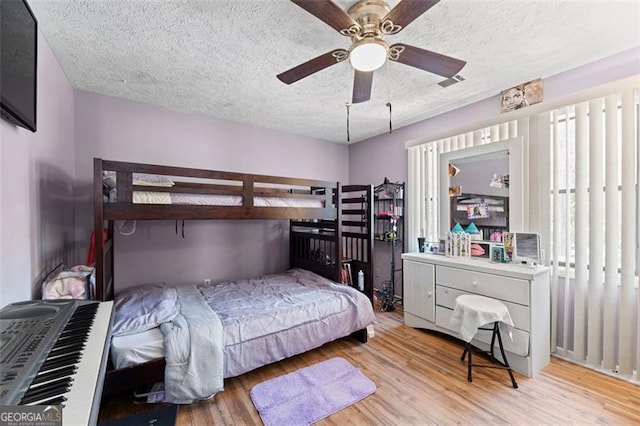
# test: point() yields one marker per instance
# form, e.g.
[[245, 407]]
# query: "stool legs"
[[468, 350], [496, 331], [504, 357]]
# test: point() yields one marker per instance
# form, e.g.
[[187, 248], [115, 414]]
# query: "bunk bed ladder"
[[356, 237]]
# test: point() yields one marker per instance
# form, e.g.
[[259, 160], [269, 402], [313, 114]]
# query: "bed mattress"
[[266, 319], [151, 197]]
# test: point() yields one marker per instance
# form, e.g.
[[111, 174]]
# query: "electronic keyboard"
[[54, 352]]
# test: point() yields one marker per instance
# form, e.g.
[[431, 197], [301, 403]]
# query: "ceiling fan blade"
[[427, 60], [362, 83], [405, 13], [313, 66], [331, 14]]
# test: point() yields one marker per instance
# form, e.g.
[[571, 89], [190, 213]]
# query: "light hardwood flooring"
[[421, 380]]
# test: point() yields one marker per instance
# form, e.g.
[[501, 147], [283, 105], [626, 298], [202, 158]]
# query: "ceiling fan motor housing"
[[368, 51], [368, 14]]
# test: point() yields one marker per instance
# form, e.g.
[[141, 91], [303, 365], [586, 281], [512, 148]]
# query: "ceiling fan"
[[367, 22]]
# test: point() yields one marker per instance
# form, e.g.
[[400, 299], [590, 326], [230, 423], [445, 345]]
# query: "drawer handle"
[[428, 294], [475, 283]]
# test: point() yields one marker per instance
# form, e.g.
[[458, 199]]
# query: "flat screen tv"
[[18, 63]]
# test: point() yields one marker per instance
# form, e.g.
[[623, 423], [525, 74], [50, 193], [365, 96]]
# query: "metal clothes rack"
[[387, 298]]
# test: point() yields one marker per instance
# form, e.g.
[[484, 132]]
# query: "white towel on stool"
[[472, 312]]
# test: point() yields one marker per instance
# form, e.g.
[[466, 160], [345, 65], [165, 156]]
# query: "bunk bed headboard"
[[126, 192]]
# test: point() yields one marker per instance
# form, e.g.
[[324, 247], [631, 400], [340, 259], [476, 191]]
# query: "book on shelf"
[[345, 272]]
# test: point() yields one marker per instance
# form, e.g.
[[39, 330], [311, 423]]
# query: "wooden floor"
[[421, 380]]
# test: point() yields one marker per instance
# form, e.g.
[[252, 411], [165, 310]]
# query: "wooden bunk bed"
[[330, 225]]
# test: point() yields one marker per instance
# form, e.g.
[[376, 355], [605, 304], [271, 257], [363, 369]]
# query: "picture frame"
[[508, 241], [455, 191], [478, 211], [497, 254], [521, 96], [432, 247], [526, 248]]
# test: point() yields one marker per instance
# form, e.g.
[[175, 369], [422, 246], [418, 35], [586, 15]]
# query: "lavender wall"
[[36, 186], [118, 129]]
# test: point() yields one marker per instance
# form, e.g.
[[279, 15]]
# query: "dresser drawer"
[[496, 286], [446, 297], [519, 345]]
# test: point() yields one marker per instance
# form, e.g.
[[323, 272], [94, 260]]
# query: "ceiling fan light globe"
[[368, 55]]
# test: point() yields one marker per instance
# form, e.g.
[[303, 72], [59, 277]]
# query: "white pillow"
[[144, 307], [143, 179], [152, 180]]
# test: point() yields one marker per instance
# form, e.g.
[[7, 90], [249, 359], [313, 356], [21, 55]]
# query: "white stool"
[[471, 312]]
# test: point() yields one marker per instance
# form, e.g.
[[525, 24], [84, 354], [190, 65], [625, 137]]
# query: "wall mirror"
[[483, 185]]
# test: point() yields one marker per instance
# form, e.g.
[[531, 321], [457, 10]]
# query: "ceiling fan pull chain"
[[389, 96], [348, 105]]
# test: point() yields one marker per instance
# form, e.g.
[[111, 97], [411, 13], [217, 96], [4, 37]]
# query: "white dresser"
[[432, 283]]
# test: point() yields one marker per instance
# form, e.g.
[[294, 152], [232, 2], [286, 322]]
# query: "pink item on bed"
[[65, 288], [69, 284]]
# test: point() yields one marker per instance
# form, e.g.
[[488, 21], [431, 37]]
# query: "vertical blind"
[[594, 234], [580, 170]]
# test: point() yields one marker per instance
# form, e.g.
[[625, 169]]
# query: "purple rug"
[[310, 394]]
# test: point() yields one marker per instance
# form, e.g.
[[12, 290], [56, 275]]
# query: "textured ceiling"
[[221, 58]]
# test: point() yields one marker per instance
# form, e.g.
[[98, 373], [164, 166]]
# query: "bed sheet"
[[137, 348], [266, 319]]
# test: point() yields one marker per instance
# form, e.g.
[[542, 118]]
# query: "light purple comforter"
[[272, 317], [231, 327]]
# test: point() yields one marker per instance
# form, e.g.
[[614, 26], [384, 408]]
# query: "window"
[[563, 181]]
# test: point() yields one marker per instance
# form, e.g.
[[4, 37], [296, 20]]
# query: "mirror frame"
[[516, 184]]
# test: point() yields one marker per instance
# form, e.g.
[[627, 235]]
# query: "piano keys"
[[55, 353]]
